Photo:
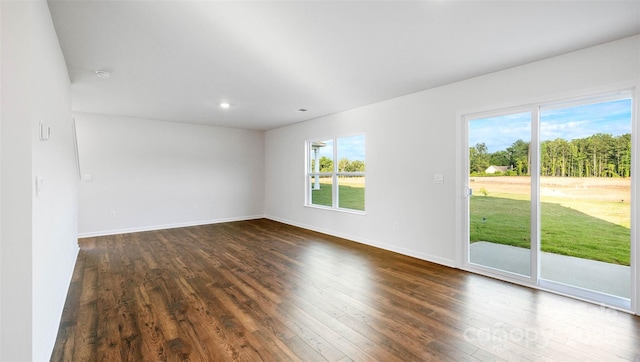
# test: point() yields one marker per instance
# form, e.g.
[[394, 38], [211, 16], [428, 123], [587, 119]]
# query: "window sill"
[[346, 211]]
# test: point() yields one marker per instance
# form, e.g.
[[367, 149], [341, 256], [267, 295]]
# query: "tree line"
[[599, 155], [344, 165]]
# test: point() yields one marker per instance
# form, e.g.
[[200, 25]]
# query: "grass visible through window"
[[351, 193]]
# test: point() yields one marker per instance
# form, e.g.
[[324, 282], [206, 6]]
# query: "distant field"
[[583, 217], [593, 188]]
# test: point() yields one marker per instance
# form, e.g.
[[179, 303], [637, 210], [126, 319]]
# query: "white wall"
[[1, 178], [39, 243], [150, 174], [16, 184], [55, 209], [1, 332], [411, 138]]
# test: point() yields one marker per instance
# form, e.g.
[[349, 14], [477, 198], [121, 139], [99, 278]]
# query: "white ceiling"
[[177, 60]]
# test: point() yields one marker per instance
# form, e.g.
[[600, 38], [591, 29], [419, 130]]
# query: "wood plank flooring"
[[264, 291]]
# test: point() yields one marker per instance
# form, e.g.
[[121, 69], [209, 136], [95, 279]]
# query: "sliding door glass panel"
[[585, 191], [500, 193]]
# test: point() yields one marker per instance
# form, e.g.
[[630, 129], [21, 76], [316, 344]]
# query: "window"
[[336, 173]]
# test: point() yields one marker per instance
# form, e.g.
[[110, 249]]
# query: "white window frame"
[[335, 175]]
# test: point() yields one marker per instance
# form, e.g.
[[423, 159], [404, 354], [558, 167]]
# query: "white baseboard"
[[412, 253], [167, 226], [408, 252], [53, 335]]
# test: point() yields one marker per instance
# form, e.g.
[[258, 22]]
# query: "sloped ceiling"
[[177, 60]]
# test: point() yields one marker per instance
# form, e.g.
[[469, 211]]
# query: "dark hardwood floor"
[[261, 290]]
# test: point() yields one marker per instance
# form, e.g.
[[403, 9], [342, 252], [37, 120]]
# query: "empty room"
[[319, 180]]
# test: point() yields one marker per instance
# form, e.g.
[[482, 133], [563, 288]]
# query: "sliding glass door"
[[500, 190], [549, 196], [585, 192]]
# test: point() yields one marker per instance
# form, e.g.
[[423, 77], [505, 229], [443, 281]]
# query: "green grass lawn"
[[564, 230], [349, 197]]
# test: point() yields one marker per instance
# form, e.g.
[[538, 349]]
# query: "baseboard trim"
[[408, 252], [69, 278], [167, 226], [404, 251]]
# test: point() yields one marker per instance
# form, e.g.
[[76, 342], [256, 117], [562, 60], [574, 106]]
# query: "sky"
[[498, 133], [352, 148]]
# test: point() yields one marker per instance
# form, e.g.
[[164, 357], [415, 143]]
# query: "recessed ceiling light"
[[302, 110], [225, 105], [103, 74]]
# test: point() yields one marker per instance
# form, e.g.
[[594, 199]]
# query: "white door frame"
[[462, 215]]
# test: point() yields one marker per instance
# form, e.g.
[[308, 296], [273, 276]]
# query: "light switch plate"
[[39, 182], [45, 132]]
